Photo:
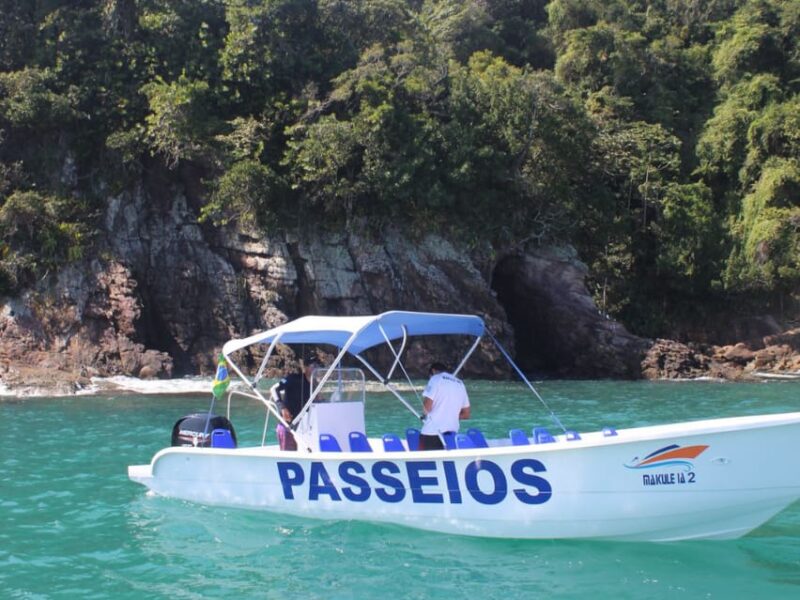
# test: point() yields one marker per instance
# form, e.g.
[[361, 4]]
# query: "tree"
[[723, 145], [515, 143], [378, 156], [180, 37], [271, 47], [178, 118], [766, 254], [28, 100], [39, 233], [244, 193], [569, 15], [689, 236], [327, 160], [749, 43], [18, 25], [774, 133]]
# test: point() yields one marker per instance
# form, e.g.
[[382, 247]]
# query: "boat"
[[790, 376], [709, 479]]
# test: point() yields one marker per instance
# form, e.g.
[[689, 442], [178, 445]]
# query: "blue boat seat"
[[328, 443], [572, 435], [392, 443], [476, 435], [222, 438], [542, 436], [518, 437], [412, 438], [609, 431], [359, 442], [463, 440], [449, 440]]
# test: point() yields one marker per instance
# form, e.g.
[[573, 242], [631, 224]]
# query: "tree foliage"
[[767, 233], [38, 235], [660, 138], [177, 121]]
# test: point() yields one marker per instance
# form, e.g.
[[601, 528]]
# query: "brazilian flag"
[[221, 380]]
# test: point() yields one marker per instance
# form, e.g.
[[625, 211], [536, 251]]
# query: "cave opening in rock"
[[155, 334], [557, 326], [527, 314]]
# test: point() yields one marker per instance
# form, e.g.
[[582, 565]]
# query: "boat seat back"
[[412, 437], [222, 438], [463, 440], [542, 436], [572, 435], [609, 431], [518, 437], [359, 442], [449, 440], [328, 443], [392, 443], [477, 437]]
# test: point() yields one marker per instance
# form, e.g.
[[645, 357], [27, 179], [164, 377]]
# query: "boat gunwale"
[[595, 439]]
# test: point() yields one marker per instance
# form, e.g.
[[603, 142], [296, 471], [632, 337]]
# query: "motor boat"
[[717, 478]]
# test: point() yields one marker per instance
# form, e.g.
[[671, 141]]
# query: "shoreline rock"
[[776, 355]]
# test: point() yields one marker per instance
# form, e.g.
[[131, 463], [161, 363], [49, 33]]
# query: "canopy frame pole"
[[266, 426], [468, 354], [398, 354], [274, 411], [398, 361], [235, 392], [253, 387], [264, 362], [315, 392], [388, 385], [525, 379]]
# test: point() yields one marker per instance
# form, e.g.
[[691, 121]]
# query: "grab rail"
[[269, 405]]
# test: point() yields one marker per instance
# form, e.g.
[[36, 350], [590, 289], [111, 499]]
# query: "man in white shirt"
[[445, 403]]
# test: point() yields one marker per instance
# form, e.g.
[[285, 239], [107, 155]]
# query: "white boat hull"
[[707, 479]]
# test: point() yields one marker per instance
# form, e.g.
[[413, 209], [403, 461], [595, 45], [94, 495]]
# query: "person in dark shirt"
[[290, 394]]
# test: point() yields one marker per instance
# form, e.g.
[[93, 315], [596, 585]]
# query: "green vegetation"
[[660, 138]]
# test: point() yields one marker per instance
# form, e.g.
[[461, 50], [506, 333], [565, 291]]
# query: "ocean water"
[[73, 526]]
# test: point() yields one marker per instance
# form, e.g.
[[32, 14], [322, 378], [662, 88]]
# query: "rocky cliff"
[[163, 293]]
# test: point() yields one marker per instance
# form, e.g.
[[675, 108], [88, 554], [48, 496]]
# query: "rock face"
[[163, 293], [350, 274], [167, 293], [559, 328], [84, 324]]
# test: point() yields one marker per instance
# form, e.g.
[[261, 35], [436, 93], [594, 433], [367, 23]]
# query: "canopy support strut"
[[525, 379], [389, 386]]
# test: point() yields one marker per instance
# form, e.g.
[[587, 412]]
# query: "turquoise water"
[[73, 526]]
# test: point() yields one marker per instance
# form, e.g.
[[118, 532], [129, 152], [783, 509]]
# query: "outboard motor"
[[200, 429]]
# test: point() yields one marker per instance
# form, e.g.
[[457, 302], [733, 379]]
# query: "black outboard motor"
[[197, 430]]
